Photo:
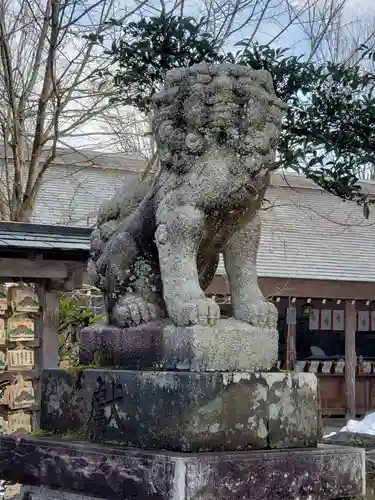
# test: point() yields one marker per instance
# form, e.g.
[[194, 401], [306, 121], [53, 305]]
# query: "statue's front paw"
[[132, 310], [203, 311], [258, 313]]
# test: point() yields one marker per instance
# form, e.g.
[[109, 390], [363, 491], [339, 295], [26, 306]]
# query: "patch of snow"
[[330, 435], [364, 426]]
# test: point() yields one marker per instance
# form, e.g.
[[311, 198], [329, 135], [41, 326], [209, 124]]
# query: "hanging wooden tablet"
[[20, 328], [13, 491], [3, 299], [2, 425], [23, 299], [6, 395], [20, 359], [3, 332], [18, 421], [21, 394], [2, 394], [3, 361]]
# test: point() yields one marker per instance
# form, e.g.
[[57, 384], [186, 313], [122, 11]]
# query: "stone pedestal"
[[184, 411], [118, 472], [44, 493], [229, 346], [203, 433]]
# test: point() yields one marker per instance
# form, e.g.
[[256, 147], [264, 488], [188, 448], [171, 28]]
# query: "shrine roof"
[[43, 238], [308, 233]]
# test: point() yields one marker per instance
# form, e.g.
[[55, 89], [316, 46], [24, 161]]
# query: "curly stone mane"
[[222, 105]]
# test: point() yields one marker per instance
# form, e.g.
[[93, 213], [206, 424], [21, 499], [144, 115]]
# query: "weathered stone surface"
[[42, 493], [230, 345], [116, 473], [183, 411], [353, 439], [216, 128], [132, 348]]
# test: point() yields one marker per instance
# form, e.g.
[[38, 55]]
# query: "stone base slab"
[[43, 493], [231, 345], [183, 411], [115, 473]]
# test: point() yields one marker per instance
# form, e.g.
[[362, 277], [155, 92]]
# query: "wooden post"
[[291, 318], [49, 300], [350, 359]]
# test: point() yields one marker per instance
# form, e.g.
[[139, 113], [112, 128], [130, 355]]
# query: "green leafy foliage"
[[153, 46], [329, 131], [73, 315]]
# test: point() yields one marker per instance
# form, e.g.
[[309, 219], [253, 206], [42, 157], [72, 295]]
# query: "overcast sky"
[[294, 38]]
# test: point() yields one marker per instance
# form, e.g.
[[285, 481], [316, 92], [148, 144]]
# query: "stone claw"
[[260, 313], [132, 310], [203, 311]]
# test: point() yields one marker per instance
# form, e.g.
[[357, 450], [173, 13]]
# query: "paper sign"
[[340, 367], [367, 366], [314, 319], [326, 319], [363, 321], [300, 365], [314, 366], [338, 324], [327, 367]]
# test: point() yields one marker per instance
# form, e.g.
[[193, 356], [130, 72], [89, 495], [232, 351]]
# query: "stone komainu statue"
[[156, 247]]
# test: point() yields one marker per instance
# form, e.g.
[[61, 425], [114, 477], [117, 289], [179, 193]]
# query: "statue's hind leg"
[[131, 283], [141, 301]]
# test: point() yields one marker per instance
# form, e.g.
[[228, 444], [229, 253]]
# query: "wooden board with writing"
[[18, 421], [20, 359], [3, 361], [3, 299], [3, 332]]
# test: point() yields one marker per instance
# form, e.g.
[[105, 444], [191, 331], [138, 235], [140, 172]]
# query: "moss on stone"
[[274, 369], [102, 360], [115, 443], [71, 436], [76, 371], [68, 436], [40, 433]]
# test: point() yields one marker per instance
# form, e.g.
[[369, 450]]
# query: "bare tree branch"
[[49, 56]]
